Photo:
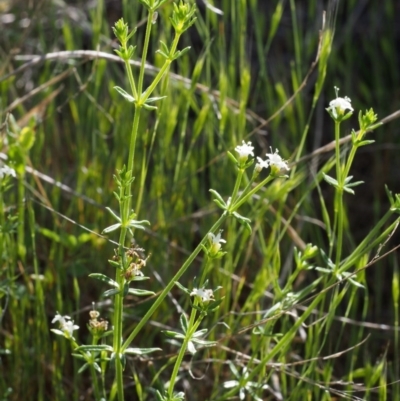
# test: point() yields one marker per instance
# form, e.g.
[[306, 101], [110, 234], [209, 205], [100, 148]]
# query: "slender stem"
[[145, 49], [89, 360], [237, 185], [169, 286], [134, 133], [125, 203], [352, 154], [339, 197], [246, 196], [161, 73], [191, 330], [118, 300], [95, 382], [128, 68], [21, 219], [192, 327]]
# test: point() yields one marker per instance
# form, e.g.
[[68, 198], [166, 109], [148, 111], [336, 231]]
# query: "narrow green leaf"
[[184, 322], [330, 180], [218, 196], [139, 292], [200, 333], [111, 228], [173, 334], [141, 351], [155, 99], [96, 348], [116, 217], [184, 289], [110, 293], [83, 368], [125, 94], [103, 277]]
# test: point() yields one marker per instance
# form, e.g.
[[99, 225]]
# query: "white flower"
[[261, 164], [205, 295], [69, 327], [339, 105], [244, 150], [215, 242], [276, 162], [59, 318], [66, 324], [6, 170]]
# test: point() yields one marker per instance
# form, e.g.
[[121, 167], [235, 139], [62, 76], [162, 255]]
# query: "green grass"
[[327, 340]]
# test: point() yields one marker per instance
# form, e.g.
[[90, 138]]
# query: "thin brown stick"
[[35, 91]]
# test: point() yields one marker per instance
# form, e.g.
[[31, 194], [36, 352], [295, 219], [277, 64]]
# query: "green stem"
[[131, 79], [246, 196], [352, 154], [95, 383], [169, 286], [339, 197], [97, 391], [191, 330], [145, 49], [131, 156], [161, 73], [118, 301], [192, 327], [125, 203], [237, 185], [21, 219]]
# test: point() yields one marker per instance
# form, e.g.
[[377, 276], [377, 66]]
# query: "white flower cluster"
[[66, 324], [6, 171], [274, 160], [215, 242], [205, 295], [245, 150]]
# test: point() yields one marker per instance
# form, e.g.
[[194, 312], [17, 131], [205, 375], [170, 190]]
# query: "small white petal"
[[6, 170], [205, 295], [66, 324], [216, 239], [275, 160], [191, 347], [245, 150], [58, 318], [339, 106], [231, 383], [261, 164]]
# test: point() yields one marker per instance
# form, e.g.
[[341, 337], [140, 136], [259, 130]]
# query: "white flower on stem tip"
[[66, 324], [215, 242], [276, 162], [245, 150], [337, 107], [261, 164], [6, 170], [205, 295]]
